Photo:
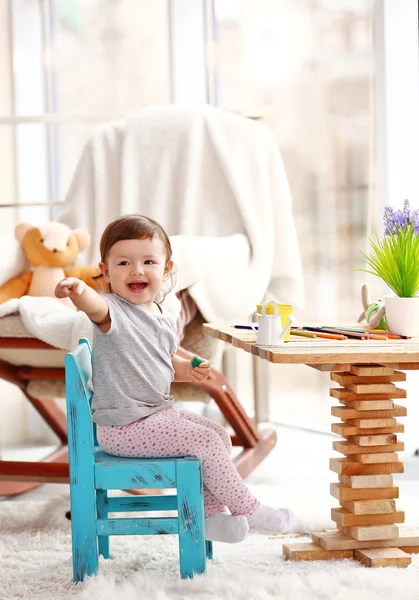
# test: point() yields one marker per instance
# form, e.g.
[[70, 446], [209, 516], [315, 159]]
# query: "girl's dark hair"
[[133, 227]]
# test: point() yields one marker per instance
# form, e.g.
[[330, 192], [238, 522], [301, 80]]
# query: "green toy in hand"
[[196, 362]]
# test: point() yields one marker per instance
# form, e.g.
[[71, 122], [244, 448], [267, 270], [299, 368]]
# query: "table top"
[[301, 350]]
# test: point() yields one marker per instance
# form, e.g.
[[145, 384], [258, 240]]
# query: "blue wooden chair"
[[93, 473]]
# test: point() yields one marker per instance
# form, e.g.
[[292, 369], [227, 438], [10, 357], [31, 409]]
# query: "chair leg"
[[208, 549], [102, 513], [190, 505], [83, 532]]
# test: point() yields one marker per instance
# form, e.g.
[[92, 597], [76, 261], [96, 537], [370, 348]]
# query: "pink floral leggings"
[[175, 432]]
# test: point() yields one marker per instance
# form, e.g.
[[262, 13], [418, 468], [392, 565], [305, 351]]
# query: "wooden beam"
[[310, 551], [383, 557]]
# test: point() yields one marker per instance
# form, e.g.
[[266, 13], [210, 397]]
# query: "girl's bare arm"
[[84, 298]]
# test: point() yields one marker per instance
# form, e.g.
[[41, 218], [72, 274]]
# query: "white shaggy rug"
[[35, 563]]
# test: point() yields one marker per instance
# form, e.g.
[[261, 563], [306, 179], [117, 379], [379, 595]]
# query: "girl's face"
[[136, 270]]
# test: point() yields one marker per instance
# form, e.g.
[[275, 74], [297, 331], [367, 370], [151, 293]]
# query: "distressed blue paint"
[[142, 503], [208, 549], [152, 526], [102, 513], [191, 517], [115, 473], [81, 459], [92, 472]]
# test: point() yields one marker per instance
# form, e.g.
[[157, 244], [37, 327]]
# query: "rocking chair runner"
[[35, 366]]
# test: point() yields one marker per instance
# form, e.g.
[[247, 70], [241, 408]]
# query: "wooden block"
[[310, 551], [368, 405], [373, 440], [337, 367], [405, 366], [370, 507], [346, 430], [336, 540], [372, 423], [371, 388], [343, 493], [377, 458], [344, 518], [345, 378], [345, 413], [315, 536], [383, 557], [346, 447], [371, 370], [410, 549], [372, 532], [344, 394], [372, 482], [346, 466]]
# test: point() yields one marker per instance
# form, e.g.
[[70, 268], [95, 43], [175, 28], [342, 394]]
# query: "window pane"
[[98, 60], [109, 55]]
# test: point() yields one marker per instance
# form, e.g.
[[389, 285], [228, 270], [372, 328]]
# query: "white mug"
[[270, 332]]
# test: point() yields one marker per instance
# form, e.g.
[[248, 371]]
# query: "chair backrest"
[[78, 378]]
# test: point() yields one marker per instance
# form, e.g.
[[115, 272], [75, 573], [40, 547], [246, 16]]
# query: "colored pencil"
[[381, 332], [331, 336], [344, 328], [303, 333], [349, 334]]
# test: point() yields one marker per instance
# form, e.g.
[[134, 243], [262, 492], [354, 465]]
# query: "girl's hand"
[[199, 373], [71, 287]]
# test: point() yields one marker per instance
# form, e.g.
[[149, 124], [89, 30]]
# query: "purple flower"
[[394, 220]]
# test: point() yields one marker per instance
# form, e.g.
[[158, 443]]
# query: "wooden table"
[[366, 373]]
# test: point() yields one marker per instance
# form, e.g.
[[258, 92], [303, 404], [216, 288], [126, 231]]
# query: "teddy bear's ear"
[[21, 229], [82, 237]]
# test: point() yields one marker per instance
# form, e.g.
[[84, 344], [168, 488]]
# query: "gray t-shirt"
[[132, 366]]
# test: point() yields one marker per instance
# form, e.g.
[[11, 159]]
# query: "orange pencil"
[[331, 336], [377, 336]]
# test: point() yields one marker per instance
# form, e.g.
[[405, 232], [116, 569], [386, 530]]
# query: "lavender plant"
[[395, 257]]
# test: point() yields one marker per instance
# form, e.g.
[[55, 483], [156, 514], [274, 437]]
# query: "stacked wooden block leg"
[[367, 519]]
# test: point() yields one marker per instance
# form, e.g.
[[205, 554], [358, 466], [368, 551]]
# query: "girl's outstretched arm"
[[85, 299]]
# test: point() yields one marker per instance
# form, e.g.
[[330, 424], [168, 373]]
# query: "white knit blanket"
[[215, 180]]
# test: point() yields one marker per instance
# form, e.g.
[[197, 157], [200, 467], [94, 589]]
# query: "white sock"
[[226, 528], [271, 521]]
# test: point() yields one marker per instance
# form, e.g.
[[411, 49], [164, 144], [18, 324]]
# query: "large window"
[[307, 67]]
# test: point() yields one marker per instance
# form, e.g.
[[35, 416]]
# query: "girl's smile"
[[137, 286]]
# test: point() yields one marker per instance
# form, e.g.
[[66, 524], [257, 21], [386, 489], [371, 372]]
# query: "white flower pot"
[[403, 315]]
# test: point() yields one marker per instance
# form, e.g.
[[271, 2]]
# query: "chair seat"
[[103, 458]]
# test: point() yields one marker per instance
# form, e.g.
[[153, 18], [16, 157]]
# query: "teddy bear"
[[51, 249], [374, 312]]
